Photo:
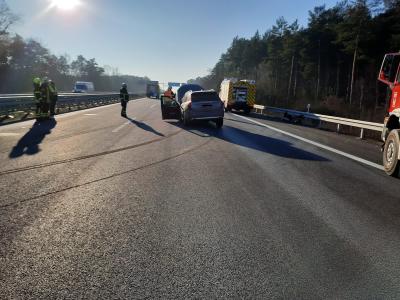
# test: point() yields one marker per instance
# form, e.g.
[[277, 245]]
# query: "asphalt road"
[[96, 206]]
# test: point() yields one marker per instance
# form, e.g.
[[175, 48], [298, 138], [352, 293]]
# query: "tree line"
[[332, 63], [23, 59]]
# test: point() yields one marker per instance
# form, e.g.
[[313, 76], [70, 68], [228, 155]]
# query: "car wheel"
[[219, 122]]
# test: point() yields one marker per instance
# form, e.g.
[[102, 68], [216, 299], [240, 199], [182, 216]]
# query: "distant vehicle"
[[238, 94], [153, 89], [195, 105], [83, 87]]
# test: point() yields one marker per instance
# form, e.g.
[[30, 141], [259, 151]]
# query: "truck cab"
[[153, 89], [389, 75]]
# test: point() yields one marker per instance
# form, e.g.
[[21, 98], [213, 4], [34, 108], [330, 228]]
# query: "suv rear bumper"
[[204, 116], [207, 118]]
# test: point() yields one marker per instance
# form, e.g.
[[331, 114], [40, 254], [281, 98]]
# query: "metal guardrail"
[[363, 125], [13, 104]]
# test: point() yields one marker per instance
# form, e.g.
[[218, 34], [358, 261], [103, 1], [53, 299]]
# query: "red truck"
[[390, 75]]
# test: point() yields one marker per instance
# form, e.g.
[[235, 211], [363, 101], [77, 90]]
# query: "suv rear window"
[[210, 96]]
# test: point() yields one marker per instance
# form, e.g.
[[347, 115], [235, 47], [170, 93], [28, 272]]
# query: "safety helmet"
[[124, 85], [36, 80], [46, 79]]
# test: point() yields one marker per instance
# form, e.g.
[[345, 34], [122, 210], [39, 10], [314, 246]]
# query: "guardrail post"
[[362, 134], [338, 128]]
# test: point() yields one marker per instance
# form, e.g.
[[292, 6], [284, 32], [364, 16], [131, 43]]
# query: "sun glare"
[[65, 4]]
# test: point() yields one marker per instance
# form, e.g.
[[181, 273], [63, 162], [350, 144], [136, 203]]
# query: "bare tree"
[[7, 18]]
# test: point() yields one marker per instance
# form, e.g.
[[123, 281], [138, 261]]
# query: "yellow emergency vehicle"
[[238, 94]]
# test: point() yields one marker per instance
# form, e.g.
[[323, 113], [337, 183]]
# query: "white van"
[[83, 87]]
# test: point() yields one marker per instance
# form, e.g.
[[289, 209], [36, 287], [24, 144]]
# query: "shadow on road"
[[253, 141], [145, 127], [243, 122], [29, 143]]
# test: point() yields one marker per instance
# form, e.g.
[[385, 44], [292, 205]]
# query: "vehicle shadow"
[[29, 143], [243, 122], [145, 127], [252, 140]]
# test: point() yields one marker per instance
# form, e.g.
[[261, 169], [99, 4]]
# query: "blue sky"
[[172, 40]]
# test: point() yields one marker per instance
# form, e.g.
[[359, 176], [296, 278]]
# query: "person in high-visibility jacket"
[[45, 99], [124, 97], [53, 97], [37, 93], [169, 93]]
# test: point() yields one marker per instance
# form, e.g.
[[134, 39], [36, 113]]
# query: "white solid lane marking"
[[90, 114], [153, 105], [353, 157], [89, 110]]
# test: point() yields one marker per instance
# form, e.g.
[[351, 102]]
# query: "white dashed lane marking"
[[5, 134], [122, 126]]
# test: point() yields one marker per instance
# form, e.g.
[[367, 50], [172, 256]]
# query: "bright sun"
[[65, 4]]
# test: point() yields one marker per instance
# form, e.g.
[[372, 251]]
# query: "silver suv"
[[202, 105]]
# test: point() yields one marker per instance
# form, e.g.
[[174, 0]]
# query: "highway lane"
[[96, 206]]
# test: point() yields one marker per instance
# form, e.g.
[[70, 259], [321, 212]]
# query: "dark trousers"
[[44, 110], [123, 104], [53, 107]]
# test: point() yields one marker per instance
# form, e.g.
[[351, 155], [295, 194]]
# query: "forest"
[[22, 59], [331, 63]]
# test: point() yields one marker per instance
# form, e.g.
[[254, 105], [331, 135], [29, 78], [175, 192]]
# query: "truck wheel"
[[391, 154], [219, 122], [247, 111]]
